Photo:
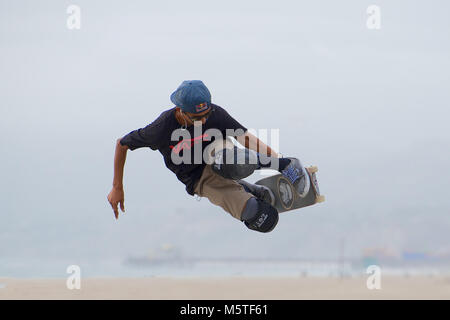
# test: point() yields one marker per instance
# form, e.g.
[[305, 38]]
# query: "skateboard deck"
[[286, 196]]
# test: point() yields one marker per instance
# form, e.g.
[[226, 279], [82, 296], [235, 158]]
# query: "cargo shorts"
[[225, 193]]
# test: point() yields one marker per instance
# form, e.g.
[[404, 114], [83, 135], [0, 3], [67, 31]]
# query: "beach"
[[225, 288]]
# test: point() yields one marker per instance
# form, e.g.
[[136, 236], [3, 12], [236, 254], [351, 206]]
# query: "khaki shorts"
[[226, 193]]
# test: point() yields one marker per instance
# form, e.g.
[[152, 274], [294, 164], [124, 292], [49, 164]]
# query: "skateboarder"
[[194, 117]]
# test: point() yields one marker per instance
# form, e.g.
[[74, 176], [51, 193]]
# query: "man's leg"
[[235, 163], [238, 163], [234, 199], [225, 193]]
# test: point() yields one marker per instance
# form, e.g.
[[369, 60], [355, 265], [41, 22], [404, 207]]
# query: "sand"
[[292, 288]]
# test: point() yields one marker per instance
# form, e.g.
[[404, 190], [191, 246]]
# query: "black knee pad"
[[264, 219], [235, 163]]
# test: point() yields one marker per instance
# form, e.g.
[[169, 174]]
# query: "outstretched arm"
[[116, 195], [249, 141]]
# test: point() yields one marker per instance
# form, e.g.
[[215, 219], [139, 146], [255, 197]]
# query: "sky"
[[369, 107]]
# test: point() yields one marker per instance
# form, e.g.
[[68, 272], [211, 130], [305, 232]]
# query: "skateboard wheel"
[[312, 169], [320, 199]]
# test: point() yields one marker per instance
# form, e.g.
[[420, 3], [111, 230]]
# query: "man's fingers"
[[114, 206], [116, 211], [122, 206]]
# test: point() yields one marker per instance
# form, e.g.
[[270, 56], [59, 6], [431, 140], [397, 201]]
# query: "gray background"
[[369, 107]]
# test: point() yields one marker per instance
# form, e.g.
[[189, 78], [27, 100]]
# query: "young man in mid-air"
[[188, 126]]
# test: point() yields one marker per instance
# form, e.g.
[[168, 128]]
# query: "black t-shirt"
[[157, 136]]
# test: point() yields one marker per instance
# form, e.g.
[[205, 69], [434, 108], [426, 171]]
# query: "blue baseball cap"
[[192, 96]]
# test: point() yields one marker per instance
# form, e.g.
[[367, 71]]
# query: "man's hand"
[[115, 197]]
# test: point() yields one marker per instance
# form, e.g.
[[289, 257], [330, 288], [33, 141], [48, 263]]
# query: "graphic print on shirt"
[[188, 143]]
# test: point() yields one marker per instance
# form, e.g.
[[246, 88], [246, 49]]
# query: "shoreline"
[[227, 288]]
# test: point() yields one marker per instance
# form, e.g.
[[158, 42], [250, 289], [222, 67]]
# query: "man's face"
[[197, 118]]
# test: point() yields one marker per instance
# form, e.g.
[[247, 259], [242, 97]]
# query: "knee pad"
[[259, 215], [235, 163]]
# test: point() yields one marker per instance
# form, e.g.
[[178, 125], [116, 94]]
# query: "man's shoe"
[[298, 176], [261, 192]]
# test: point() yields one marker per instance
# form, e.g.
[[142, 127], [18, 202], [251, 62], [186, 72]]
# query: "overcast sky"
[[370, 108]]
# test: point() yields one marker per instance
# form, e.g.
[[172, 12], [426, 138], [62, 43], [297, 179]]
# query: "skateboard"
[[286, 196]]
